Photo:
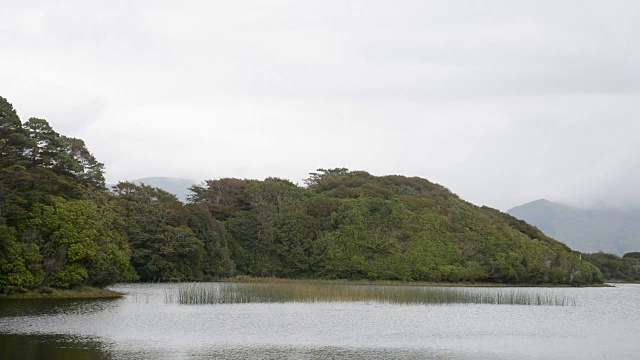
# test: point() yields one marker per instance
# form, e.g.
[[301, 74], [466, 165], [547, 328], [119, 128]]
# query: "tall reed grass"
[[241, 293]]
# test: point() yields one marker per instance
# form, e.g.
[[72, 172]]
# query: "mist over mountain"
[[610, 230]]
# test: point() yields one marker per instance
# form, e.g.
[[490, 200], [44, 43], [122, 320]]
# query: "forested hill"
[[61, 227], [350, 224]]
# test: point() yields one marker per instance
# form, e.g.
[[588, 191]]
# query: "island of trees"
[[60, 227]]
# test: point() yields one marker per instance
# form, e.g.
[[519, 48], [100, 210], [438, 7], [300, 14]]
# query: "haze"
[[503, 102]]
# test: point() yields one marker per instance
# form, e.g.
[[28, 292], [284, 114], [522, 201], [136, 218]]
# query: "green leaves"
[[13, 137], [60, 227], [19, 263], [51, 234], [163, 246], [355, 225], [78, 244], [614, 267]]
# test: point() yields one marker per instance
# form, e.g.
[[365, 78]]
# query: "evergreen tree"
[[13, 137]]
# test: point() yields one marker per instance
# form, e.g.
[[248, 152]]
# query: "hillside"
[[587, 230], [615, 268], [351, 224], [60, 227]]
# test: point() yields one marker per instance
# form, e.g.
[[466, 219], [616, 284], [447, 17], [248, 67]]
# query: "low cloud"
[[503, 102]]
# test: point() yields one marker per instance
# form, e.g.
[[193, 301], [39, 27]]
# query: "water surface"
[[603, 324]]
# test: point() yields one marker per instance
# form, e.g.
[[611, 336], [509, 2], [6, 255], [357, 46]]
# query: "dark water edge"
[[53, 347], [64, 347], [85, 292], [40, 307]]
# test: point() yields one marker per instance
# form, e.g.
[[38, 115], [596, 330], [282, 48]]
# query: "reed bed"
[[242, 293]]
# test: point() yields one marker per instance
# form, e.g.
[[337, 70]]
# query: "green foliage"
[[52, 234], [80, 163], [164, 246], [45, 146], [616, 268], [633, 255], [60, 227], [272, 236], [217, 256], [358, 226], [77, 244], [19, 263], [13, 137], [223, 197], [315, 177]]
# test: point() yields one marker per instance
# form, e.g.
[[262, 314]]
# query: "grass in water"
[[241, 293]]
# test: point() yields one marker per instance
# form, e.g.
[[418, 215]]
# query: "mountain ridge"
[[608, 230]]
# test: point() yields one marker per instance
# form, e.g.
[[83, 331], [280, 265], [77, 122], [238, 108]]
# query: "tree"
[[223, 197], [156, 226], [20, 268], [274, 235], [55, 229], [315, 177], [77, 243], [13, 137], [217, 257], [44, 145], [79, 162]]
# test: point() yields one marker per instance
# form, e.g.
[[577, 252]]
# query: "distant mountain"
[[179, 187], [587, 230]]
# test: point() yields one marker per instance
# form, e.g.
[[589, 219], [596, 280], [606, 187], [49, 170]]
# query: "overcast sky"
[[503, 102]]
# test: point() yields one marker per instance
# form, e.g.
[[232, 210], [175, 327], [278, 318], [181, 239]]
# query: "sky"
[[503, 102]]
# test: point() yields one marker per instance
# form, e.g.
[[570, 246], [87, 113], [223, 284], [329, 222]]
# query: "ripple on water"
[[143, 325]]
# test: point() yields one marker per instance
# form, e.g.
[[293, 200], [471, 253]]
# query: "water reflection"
[[52, 347], [142, 325], [61, 347], [42, 307]]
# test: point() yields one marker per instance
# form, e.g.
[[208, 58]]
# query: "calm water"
[[605, 324]]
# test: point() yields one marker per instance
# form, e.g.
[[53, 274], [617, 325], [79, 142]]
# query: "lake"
[[150, 323]]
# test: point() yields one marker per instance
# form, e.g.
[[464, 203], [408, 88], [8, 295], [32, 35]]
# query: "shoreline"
[[88, 292], [621, 282], [248, 279], [85, 292]]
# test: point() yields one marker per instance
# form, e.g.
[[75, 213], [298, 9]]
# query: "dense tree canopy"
[[350, 224], [54, 228], [616, 268], [78, 243], [164, 246], [60, 226]]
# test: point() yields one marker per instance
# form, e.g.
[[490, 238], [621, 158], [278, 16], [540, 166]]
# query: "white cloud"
[[502, 101]]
